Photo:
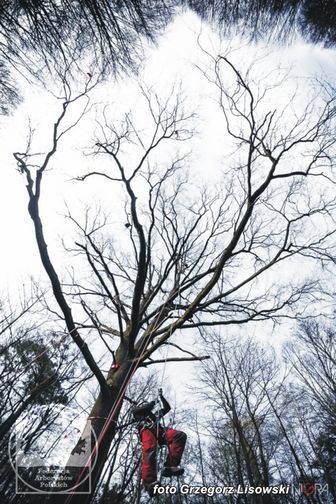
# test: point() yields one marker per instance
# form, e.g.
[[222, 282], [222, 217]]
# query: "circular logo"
[[52, 450]]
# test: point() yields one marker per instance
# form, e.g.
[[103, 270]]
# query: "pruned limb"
[[174, 359]]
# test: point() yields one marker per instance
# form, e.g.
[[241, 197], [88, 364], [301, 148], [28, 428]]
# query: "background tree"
[[272, 19], [266, 428], [241, 381], [313, 357], [37, 372], [40, 36]]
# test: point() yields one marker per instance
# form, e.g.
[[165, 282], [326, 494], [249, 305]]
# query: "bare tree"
[[189, 257], [39, 38], [313, 357], [241, 381], [37, 372], [271, 19], [265, 428]]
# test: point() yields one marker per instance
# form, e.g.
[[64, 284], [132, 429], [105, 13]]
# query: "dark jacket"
[[145, 417]]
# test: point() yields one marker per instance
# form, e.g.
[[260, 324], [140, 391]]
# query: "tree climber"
[[152, 435]]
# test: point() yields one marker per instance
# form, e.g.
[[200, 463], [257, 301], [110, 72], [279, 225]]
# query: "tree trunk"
[[88, 457]]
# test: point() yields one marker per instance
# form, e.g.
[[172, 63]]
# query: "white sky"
[[173, 59]]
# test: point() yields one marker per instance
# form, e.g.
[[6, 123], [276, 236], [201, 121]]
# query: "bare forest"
[[169, 244]]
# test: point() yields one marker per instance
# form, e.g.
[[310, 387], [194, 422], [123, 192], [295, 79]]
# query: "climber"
[[152, 434]]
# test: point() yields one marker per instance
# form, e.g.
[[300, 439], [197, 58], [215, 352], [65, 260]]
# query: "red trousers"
[[175, 440]]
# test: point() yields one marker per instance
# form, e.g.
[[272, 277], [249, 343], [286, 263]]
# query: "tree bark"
[[91, 450]]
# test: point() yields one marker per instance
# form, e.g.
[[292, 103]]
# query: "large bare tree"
[[180, 257]]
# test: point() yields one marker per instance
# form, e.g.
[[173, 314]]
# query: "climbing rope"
[[164, 450], [121, 393], [117, 402]]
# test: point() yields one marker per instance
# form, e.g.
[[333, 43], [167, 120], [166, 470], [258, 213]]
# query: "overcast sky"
[[173, 59]]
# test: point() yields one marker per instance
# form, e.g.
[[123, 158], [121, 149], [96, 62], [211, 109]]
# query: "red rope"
[[113, 410], [106, 426]]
